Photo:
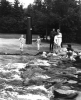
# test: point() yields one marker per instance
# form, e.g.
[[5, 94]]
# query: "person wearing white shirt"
[[38, 43], [58, 39], [21, 39]]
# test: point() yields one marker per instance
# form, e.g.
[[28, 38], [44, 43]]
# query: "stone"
[[79, 96], [72, 82], [66, 91], [65, 87], [66, 94]]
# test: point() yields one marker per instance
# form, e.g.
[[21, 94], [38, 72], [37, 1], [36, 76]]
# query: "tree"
[[5, 8], [11, 17], [17, 10]]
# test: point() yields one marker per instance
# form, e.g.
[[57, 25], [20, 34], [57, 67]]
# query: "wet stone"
[[66, 94], [72, 82], [65, 87]]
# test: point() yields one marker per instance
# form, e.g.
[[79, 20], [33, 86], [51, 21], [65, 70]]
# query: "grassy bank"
[[16, 36]]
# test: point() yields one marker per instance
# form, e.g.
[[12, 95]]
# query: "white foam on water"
[[4, 71], [79, 71], [17, 77], [19, 65], [32, 97], [8, 87], [15, 65], [41, 87], [41, 62], [41, 76]]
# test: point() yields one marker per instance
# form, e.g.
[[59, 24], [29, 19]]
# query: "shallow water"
[[36, 77]]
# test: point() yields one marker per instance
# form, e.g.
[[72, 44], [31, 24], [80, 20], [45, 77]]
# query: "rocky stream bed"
[[37, 78]]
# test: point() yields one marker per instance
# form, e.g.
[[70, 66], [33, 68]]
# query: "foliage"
[[46, 14], [11, 17]]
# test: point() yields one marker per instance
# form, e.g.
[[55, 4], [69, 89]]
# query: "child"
[[38, 43], [21, 42]]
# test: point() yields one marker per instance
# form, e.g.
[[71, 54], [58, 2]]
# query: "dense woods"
[[46, 14]]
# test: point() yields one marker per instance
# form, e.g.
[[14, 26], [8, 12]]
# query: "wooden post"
[[29, 33]]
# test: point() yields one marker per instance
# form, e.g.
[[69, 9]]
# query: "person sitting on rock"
[[69, 47], [78, 58], [70, 52]]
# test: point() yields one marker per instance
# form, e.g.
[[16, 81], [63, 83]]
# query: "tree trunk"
[[46, 32]]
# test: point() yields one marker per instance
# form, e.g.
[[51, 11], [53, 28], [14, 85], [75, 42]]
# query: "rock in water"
[[66, 94], [72, 82], [78, 97]]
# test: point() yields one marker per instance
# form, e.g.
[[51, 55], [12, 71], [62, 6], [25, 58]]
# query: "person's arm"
[[19, 38], [55, 39]]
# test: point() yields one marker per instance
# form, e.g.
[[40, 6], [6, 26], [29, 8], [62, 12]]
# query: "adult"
[[69, 47], [52, 35], [58, 38]]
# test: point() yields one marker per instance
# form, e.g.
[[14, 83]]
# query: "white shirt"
[[58, 39], [38, 41], [22, 40]]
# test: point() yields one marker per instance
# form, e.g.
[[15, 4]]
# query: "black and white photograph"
[[40, 49]]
